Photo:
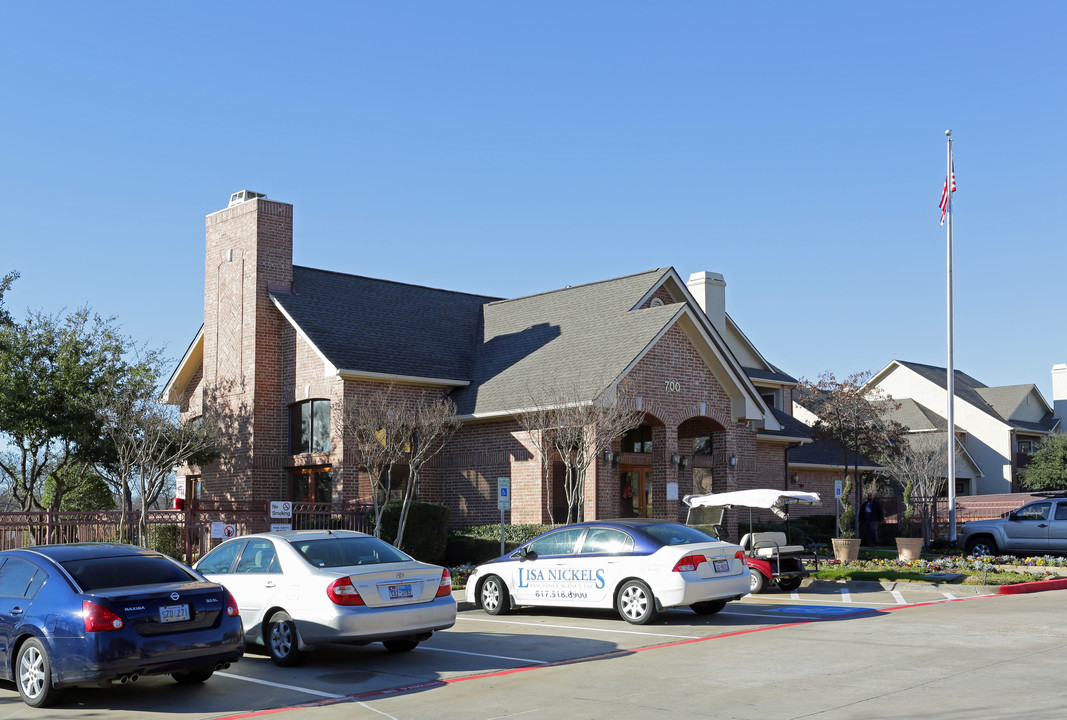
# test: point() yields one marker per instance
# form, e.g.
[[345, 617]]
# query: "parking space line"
[[950, 596], [484, 655], [280, 686], [576, 627], [846, 596], [815, 598], [900, 598]]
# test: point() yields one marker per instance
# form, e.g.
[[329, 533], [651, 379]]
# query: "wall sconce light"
[[733, 461], [675, 458], [683, 461], [793, 478], [607, 456]]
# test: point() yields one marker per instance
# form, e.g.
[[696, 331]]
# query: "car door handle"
[[269, 584], [16, 611], [1043, 525]]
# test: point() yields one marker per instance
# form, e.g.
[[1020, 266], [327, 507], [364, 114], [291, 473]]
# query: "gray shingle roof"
[[791, 427], [580, 338], [998, 402], [915, 417], [379, 326], [775, 374]]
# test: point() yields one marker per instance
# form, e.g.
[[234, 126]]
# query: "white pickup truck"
[[1039, 528]]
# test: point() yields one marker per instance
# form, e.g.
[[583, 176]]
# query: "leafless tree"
[[921, 467], [374, 437], [577, 429], [428, 423], [147, 442]]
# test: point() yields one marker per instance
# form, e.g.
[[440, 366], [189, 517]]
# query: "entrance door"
[[635, 484]]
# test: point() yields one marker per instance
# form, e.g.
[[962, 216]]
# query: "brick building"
[[284, 348]]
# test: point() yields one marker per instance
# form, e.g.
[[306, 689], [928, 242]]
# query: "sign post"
[[503, 502], [837, 508]]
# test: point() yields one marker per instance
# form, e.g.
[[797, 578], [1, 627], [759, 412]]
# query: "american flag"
[[944, 194]]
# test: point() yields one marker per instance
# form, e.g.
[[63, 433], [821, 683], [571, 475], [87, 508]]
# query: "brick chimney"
[[249, 246], [709, 289]]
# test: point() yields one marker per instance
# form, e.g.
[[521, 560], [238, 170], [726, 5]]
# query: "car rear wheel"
[[282, 640], [399, 646], [757, 583], [494, 596], [192, 677], [789, 584], [635, 603], [33, 675], [708, 607], [982, 546]]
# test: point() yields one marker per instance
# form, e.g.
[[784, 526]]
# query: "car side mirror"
[[526, 553], [1012, 517]]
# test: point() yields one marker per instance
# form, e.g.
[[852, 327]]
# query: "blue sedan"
[[106, 614], [637, 566]]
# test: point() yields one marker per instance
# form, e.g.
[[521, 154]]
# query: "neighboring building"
[[284, 349], [998, 427]]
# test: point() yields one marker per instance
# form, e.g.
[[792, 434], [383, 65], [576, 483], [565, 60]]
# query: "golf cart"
[[769, 557]]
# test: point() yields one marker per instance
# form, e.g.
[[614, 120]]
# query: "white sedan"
[[300, 588], [637, 566]]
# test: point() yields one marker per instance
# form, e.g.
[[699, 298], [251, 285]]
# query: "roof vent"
[[243, 196]]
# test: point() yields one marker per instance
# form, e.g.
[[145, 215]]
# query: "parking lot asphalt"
[[827, 650]]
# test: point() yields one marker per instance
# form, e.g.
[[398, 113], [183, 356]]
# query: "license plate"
[[173, 613], [721, 565], [399, 592]]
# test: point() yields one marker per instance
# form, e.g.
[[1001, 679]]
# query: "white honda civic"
[[637, 566]]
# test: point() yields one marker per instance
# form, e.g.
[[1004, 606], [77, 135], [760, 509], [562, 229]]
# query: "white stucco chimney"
[[1059, 394], [709, 289]]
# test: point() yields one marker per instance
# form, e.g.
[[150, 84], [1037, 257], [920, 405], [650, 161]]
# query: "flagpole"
[[951, 375]]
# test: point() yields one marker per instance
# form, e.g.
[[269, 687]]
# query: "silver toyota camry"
[[300, 588]]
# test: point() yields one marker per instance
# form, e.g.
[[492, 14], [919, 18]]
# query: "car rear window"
[[126, 571], [340, 552], [676, 534]]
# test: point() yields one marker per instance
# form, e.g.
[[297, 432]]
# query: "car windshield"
[[676, 534], [126, 571], [340, 552]]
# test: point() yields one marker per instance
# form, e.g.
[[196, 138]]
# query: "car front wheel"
[[757, 582], [33, 675], [283, 643], [635, 603], [494, 596], [982, 546]]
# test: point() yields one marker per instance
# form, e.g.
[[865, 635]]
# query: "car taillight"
[[689, 563], [99, 619], [231, 605], [343, 592], [445, 588], [740, 555]]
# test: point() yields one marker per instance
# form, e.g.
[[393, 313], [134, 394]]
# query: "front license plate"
[[721, 565], [173, 613], [399, 592]]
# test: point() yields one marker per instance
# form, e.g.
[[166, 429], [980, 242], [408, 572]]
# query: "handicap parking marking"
[[821, 610]]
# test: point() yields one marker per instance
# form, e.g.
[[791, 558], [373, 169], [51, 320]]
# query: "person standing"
[[871, 516]]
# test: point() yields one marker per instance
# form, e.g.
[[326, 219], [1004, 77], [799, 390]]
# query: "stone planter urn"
[[846, 549], [908, 549]]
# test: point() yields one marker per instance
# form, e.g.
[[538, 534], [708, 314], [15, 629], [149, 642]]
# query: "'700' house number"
[[672, 386]]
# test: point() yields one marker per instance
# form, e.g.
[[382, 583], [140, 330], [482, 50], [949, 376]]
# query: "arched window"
[[309, 427]]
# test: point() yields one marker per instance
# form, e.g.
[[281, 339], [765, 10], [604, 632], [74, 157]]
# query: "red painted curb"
[[1032, 587]]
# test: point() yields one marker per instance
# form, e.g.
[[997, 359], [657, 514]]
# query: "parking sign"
[[503, 493]]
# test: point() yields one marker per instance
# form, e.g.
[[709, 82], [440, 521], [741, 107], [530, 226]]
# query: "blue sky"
[[510, 148]]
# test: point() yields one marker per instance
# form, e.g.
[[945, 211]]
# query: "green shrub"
[[479, 543], [167, 539], [426, 532]]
